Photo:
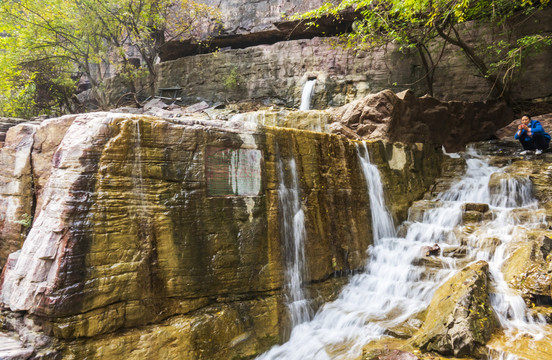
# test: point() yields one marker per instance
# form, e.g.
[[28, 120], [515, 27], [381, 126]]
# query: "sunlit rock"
[[46, 141], [151, 226], [527, 268], [460, 318], [16, 189], [407, 118]]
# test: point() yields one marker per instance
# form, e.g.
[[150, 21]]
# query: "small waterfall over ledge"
[[308, 92], [382, 222], [293, 235]]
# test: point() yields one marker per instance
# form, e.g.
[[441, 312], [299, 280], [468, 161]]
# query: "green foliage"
[[232, 80], [414, 24], [26, 221], [45, 45]]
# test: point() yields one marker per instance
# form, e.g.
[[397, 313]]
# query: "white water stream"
[[293, 236], [308, 92], [392, 290]]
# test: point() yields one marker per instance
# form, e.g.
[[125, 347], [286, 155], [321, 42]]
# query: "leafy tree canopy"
[[416, 23], [45, 45]]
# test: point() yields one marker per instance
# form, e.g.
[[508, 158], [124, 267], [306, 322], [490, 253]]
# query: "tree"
[[417, 23], [65, 38]]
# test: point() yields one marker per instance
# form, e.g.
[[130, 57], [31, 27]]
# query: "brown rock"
[[460, 317], [431, 250], [406, 118], [129, 234], [482, 208]]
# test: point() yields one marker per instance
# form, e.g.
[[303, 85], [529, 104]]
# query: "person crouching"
[[532, 136]]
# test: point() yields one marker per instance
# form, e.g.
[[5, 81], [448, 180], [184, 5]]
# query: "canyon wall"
[[275, 73]]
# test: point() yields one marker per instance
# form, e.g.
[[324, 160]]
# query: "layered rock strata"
[[276, 73], [155, 234], [16, 188]]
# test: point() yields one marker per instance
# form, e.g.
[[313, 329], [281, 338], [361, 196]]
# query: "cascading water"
[[393, 289], [382, 222], [293, 235], [308, 92]]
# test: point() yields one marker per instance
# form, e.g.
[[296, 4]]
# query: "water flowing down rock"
[[173, 227], [460, 318]]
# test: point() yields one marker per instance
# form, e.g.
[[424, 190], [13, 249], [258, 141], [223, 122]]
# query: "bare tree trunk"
[[497, 86]]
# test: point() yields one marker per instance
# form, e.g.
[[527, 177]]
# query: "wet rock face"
[[528, 268], [460, 317], [143, 223]]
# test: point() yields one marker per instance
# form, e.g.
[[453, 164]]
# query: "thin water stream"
[[393, 289], [293, 236]]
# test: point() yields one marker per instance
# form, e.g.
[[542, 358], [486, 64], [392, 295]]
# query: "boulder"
[[460, 318], [527, 268], [407, 118]]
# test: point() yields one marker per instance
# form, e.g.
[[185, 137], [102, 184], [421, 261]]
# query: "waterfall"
[[394, 289], [354, 319], [382, 222], [308, 92], [293, 235]]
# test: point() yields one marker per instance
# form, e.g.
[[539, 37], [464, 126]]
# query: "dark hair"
[[528, 116]]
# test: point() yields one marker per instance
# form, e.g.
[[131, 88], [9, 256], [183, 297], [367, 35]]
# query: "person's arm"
[[536, 128]]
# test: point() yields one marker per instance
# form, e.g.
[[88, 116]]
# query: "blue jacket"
[[536, 128]]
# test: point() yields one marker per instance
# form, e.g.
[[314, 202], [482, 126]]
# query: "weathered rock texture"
[[407, 118], [276, 73], [6, 124], [460, 317], [129, 251], [16, 189]]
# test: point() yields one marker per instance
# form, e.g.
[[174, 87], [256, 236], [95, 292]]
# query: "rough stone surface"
[[460, 317], [16, 189], [46, 141], [527, 268], [6, 124], [276, 73], [13, 349], [127, 245], [407, 118]]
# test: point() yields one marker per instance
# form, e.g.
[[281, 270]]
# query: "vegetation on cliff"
[[47, 45], [418, 23]]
